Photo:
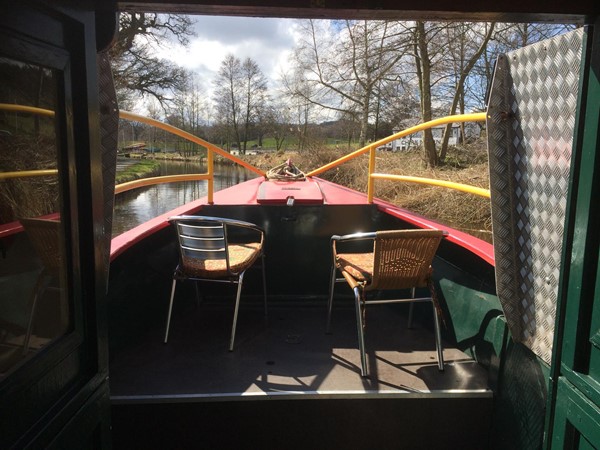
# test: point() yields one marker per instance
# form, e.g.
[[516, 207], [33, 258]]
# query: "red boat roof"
[[275, 192]]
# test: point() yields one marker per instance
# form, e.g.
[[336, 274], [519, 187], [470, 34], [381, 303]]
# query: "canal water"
[[140, 205]]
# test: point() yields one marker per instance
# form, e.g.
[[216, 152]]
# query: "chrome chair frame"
[[204, 239], [360, 288]]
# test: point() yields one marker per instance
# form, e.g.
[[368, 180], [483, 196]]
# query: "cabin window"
[[34, 305]]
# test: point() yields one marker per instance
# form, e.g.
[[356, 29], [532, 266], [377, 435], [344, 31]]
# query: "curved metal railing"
[[371, 148], [212, 149]]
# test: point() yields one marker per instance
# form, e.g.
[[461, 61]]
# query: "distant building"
[[416, 139], [236, 152], [136, 147]]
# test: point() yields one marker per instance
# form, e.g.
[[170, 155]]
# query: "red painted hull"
[[249, 193]]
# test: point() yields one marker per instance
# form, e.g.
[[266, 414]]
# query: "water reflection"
[[140, 205]]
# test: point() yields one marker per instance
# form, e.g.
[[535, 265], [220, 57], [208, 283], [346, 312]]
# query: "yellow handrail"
[[211, 179], [211, 149], [129, 185], [458, 118], [26, 109], [474, 117], [433, 182], [190, 137], [28, 173]]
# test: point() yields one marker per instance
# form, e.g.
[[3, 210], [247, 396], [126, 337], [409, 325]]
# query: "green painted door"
[[575, 392]]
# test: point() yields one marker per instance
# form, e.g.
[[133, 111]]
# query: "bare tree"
[[422, 34], [136, 69], [445, 54], [228, 98], [277, 122], [240, 93], [255, 95], [299, 91], [191, 109], [466, 44], [398, 102], [346, 70]]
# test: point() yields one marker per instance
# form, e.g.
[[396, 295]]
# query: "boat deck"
[[287, 384], [287, 354]]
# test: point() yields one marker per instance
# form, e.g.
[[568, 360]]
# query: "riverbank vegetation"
[[466, 164], [28, 196], [350, 81], [144, 168]]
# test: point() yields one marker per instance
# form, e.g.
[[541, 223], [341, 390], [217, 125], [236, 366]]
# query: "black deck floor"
[[287, 355]]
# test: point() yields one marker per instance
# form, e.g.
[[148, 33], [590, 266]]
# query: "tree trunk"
[[364, 123], [247, 118], [460, 87], [424, 75]]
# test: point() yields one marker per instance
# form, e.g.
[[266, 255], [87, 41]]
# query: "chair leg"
[[30, 325], [170, 309], [264, 277], [236, 309], [361, 333], [198, 295], [438, 338], [330, 301], [437, 316], [40, 287], [411, 308]]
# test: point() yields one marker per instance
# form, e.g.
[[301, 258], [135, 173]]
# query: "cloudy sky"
[[268, 41]]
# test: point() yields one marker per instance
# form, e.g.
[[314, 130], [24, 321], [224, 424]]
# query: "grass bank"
[[143, 169]]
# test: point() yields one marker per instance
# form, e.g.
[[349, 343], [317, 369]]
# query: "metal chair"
[[205, 254], [45, 237], [400, 259]]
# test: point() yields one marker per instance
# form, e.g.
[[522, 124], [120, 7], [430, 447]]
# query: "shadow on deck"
[[194, 393], [290, 353]]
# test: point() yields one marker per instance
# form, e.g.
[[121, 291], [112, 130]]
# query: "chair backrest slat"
[[402, 258], [203, 244], [203, 254], [201, 230], [202, 240]]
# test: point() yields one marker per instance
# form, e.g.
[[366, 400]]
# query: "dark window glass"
[[34, 306]]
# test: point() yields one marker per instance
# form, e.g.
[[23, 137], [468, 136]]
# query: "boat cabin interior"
[[125, 342]]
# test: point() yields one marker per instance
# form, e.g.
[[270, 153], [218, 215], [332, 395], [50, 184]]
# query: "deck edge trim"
[[262, 396]]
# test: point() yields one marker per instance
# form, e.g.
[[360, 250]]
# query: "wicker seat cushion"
[[241, 257], [358, 265]]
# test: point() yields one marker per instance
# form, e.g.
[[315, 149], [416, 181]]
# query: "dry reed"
[[465, 165]]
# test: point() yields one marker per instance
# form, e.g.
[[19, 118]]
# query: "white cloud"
[[267, 41]]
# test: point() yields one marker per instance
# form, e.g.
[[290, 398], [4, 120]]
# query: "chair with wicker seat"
[[45, 237], [205, 254], [400, 259]]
